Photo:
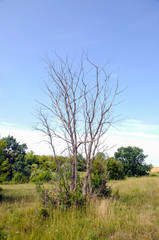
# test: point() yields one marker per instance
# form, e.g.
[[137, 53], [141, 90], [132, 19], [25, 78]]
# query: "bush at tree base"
[[51, 197], [63, 199], [99, 177]]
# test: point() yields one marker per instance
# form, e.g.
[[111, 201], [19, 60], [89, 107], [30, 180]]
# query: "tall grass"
[[132, 213]]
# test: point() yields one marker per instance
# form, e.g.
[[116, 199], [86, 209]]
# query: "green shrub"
[[54, 176], [44, 212], [153, 175], [19, 178], [65, 198], [115, 169], [71, 198], [99, 178], [41, 175]]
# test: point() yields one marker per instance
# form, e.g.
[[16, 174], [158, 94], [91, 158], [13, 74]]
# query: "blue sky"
[[124, 31]]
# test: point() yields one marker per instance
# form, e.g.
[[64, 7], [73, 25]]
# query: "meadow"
[[131, 213]]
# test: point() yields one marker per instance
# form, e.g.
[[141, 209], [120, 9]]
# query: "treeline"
[[18, 166]]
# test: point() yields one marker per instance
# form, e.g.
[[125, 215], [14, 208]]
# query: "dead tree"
[[79, 112]]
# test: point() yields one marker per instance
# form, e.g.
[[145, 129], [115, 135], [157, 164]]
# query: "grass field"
[[132, 214]]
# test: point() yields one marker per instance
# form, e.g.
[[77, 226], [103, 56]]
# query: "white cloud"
[[33, 139], [139, 126], [137, 133]]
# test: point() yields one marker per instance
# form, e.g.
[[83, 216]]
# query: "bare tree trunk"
[[84, 187], [76, 174], [74, 177], [90, 184], [87, 180]]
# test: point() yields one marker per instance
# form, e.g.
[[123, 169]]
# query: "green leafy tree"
[[133, 160], [13, 158], [101, 157], [2, 158], [30, 160], [48, 162]]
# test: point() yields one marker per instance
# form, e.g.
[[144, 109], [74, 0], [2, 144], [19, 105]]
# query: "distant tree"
[[46, 162], [2, 147], [31, 158], [101, 157], [2, 158], [133, 160], [13, 158]]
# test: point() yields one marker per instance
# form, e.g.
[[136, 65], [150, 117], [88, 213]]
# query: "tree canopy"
[[133, 160], [12, 157]]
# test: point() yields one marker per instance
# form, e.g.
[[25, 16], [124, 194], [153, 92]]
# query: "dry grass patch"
[[155, 170]]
